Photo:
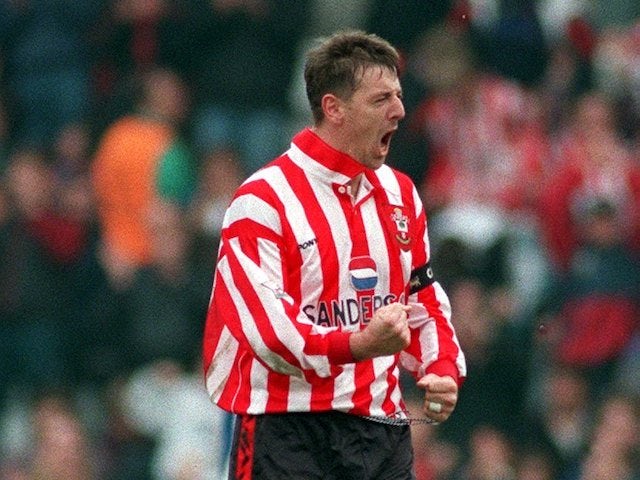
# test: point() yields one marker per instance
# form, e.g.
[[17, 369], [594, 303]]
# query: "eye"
[[389, 96], [384, 98]]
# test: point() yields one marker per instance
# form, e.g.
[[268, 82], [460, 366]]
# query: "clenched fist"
[[387, 333], [441, 396]]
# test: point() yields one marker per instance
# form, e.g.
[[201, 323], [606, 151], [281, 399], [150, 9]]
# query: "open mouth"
[[385, 141]]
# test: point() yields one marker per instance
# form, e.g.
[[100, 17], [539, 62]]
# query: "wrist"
[[360, 346]]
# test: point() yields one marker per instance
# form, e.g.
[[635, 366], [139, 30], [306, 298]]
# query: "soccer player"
[[323, 290]]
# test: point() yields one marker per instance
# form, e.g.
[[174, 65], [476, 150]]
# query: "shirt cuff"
[[445, 368], [339, 351]]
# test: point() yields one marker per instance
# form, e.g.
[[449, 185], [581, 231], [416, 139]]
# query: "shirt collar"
[[339, 167]]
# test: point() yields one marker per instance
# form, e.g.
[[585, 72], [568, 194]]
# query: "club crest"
[[402, 227]]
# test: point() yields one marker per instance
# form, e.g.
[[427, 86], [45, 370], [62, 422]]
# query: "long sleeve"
[[250, 300], [434, 346]]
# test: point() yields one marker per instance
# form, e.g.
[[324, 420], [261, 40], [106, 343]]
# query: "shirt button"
[[342, 189]]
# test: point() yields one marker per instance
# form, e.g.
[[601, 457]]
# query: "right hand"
[[387, 333]]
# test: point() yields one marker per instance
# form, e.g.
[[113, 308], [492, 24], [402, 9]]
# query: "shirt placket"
[[359, 243]]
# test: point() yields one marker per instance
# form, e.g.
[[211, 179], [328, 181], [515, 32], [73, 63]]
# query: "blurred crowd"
[[125, 127]]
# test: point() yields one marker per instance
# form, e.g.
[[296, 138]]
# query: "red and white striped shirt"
[[302, 265]]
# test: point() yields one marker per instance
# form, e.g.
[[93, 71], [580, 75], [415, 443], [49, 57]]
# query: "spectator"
[[491, 456], [559, 417], [126, 451], [166, 402], [493, 395], [404, 21], [593, 163], [487, 150], [55, 444], [598, 294], [614, 447], [71, 151], [219, 176], [36, 242], [165, 302], [535, 464], [133, 36], [139, 160], [510, 39], [617, 74], [567, 77], [84, 326], [50, 244], [47, 64], [129, 37], [62, 449], [486, 140], [4, 134], [247, 49]]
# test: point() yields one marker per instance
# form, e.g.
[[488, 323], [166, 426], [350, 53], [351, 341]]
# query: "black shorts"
[[319, 446]]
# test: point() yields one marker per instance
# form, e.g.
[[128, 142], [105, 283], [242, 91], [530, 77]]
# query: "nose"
[[396, 112]]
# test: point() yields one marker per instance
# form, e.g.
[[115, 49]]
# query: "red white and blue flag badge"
[[363, 273]]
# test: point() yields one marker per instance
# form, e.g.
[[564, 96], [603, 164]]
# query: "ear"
[[333, 108]]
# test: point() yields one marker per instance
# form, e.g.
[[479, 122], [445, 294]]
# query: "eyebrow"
[[387, 93]]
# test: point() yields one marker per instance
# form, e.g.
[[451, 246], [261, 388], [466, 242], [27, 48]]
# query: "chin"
[[374, 160], [376, 164], [380, 160]]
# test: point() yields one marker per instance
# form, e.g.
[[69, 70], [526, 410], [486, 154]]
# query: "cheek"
[[366, 129], [357, 128]]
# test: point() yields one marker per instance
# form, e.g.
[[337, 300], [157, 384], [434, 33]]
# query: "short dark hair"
[[337, 63]]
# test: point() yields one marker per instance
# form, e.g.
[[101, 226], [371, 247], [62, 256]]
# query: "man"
[[140, 169], [323, 290]]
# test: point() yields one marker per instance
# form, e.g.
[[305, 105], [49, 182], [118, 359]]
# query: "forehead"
[[377, 77]]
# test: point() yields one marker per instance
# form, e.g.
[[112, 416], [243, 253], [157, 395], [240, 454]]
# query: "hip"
[[321, 445]]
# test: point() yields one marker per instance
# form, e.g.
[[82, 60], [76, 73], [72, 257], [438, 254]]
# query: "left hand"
[[441, 396]]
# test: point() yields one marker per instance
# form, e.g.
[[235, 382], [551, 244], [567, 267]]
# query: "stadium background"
[[522, 133]]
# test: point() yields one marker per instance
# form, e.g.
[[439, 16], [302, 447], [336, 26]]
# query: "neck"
[[332, 136], [355, 185]]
